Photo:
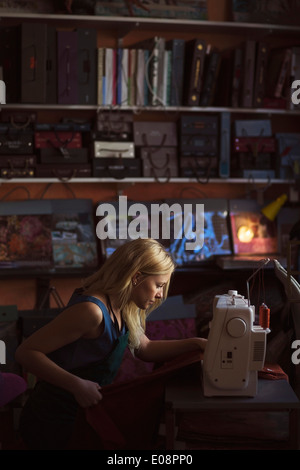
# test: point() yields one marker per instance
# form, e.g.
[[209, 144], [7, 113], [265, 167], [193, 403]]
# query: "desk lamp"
[[271, 210]]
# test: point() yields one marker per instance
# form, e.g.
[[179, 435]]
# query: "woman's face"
[[148, 289]]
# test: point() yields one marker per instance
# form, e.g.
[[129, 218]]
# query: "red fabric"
[[272, 372], [129, 413]]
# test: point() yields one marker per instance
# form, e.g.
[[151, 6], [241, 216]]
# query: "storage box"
[[117, 168], [159, 162]]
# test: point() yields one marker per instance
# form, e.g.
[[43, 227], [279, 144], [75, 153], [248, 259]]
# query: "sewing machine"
[[236, 348]]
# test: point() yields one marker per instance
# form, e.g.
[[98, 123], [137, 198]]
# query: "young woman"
[[82, 348]]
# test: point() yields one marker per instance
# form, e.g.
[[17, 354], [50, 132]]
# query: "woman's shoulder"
[[80, 296]]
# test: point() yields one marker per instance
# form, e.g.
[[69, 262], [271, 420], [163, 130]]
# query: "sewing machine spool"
[[264, 316]]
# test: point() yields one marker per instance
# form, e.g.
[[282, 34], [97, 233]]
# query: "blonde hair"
[[114, 278]]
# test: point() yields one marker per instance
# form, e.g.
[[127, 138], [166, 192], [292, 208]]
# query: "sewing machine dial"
[[236, 327]]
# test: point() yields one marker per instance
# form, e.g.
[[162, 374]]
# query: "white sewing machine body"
[[235, 350]]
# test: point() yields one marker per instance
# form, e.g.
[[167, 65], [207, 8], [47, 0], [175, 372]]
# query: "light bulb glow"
[[245, 234]]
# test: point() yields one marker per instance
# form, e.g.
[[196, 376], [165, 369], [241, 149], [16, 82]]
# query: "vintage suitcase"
[[64, 155], [255, 145], [159, 162], [15, 141], [51, 65], [199, 135], [200, 124], [67, 67], [155, 134], [66, 125], [19, 119], [17, 166], [87, 75], [253, 128], [10, 60], [199, 145], [261, 161], [9, 173], [34, 56], [198, 167], [64, 172], [17, 161], [258, 174], [114, 126], [254, 153], [117, 168], [113, 149], [57, 139]]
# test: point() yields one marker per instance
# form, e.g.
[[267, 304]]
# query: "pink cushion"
[[11, 385]]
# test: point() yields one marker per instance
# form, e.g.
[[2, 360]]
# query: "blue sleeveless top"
[[85, 351]]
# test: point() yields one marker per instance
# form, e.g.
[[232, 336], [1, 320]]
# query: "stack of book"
[[262, 76], [176, 72], [40, 64]]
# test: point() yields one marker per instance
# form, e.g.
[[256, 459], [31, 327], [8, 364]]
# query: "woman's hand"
[[87, 393], [201, 343]]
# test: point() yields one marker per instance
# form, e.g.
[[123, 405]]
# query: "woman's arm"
[[165, 350], [75, 322]]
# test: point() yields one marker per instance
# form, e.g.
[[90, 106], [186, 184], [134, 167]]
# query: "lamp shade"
[[272, 209]]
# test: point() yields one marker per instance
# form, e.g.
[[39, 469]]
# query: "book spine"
[[104, 81], [195, 56], [109, 65], [237, 77], [132, 77], [177, 48], [124, 78], [160, 72], [140, 77], [114, 76], [210, 78], [260, 74], [146, 78], [119, 75], [100, 75], [248, 73], [284, 69], [154, 72], [168, 78]]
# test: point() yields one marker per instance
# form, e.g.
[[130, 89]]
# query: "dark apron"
[[48, 417]]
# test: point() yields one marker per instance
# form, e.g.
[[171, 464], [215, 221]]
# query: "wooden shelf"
[[123, 25], [146, 180], [140, 109]]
